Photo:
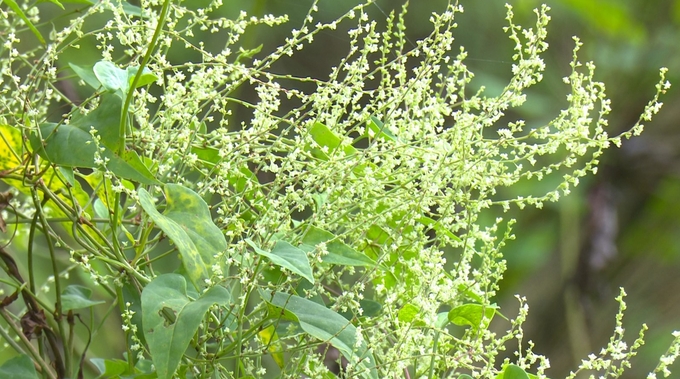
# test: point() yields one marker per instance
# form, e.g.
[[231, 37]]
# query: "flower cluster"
[[392, 154]]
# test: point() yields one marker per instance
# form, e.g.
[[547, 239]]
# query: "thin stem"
[[31, 349]]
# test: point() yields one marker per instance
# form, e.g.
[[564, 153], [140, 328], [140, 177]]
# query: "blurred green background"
[[620, 228]]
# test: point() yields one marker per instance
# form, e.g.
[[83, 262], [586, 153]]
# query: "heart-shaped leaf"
[[170, 319], [119, 81], [77, 297], [72, 144], [188, 223], [86, 74]]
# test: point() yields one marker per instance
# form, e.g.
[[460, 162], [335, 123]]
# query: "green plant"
[[346, 218]]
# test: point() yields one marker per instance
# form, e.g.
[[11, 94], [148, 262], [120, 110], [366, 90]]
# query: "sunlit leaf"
[[408, 313], [473, 315], [270, 339], [10, 148], [60, 181], [328, 140]]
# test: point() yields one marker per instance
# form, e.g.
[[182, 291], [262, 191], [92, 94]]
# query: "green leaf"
[[20, 367], [338, 252], [103, 187], [438, 228], [442, 320], [464, 376], [72, 145], [380, 130], [77, 297], [328, 143], [118, 80], [87, 75], [462, 288], [322, 135], [243, 53], [110, 368], [111, 77], [474, 315], [270, 340], [10, 147], [12, 154], [146, 78], [170, 319], [512, 372], [325, 325], [188, 223], [129, 9], [17, 9], [371, 308], [408, 313], [288, 256], [55, 2], [135, 161]]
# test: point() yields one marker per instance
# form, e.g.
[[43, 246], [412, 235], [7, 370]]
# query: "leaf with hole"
[[170, 319]]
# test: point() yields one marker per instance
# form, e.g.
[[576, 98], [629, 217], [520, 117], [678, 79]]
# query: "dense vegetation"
[[353, 223]]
